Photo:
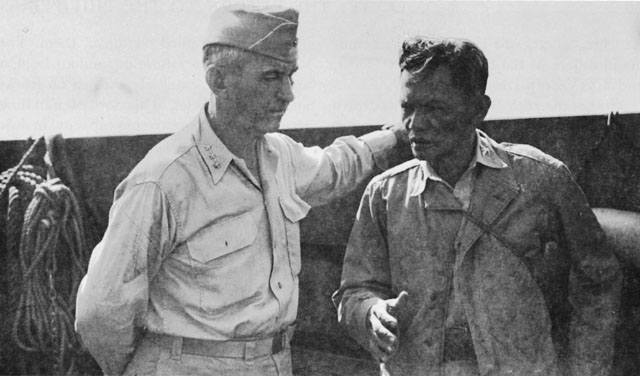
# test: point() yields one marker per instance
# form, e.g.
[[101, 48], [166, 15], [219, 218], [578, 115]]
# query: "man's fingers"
[[400, 302], [382, 335], [384, 338], [387, 319], [397, 304]]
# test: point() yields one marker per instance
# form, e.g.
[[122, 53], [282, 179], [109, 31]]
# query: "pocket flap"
[[294, 208], [223, 238]]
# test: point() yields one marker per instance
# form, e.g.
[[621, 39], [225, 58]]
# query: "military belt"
[[247, 349]]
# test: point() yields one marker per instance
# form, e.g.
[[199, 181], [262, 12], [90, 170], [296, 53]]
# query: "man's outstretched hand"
[[383, 326]]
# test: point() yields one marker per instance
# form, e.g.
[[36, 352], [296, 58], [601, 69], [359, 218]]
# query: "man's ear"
[[215, 76], [482, 105]]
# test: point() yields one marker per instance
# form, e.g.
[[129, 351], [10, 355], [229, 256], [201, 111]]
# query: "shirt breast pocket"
[[215, 241], [294, 211]]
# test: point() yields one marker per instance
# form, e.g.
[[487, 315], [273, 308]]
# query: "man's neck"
[[451, 167], [233, 136]]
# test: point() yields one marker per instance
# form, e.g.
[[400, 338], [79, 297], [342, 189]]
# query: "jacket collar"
[[485, 154], [494, 189]]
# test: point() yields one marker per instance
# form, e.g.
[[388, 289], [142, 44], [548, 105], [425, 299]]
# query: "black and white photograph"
[[319, 188]]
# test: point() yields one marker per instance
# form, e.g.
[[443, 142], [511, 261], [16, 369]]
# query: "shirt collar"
[[485, 154], [213, 151]]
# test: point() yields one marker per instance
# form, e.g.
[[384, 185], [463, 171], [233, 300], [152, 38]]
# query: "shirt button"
[[279, 285]]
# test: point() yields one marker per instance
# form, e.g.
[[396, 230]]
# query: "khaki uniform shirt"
[[197, 248]]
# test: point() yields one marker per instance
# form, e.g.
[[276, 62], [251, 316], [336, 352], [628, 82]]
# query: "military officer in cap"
[[197, 272]]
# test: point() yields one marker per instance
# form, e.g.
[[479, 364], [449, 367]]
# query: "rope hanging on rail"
[[52, 265], [8, 176], [47, 239]]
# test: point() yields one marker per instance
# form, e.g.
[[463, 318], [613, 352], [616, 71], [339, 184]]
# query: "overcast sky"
[[90, 68]]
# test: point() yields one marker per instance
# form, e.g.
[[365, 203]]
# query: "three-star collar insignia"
[[215, 161]]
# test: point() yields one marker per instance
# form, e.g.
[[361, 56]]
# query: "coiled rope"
[[23, 184], [8, 176], [52, 264], [45, 239]]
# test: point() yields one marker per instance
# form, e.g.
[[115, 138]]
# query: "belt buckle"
[[279, 343]]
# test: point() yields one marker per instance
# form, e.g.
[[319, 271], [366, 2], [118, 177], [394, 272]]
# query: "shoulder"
[[533, 168], [389, 177], [523, 156], [530, 154], [279, 140], [284, 146], [399, 169], [165, 162]]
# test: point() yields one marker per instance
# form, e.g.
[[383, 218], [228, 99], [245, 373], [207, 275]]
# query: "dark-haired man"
[[475, 258]]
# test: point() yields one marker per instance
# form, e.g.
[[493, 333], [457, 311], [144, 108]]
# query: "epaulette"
[[530, 152]]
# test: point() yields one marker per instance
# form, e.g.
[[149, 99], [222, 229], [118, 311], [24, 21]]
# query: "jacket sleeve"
[[113, 295], [321, 175], [365, 275], [595, 281]]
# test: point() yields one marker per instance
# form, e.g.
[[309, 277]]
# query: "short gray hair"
[[228, 56]]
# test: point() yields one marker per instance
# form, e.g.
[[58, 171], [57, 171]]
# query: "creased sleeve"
[[365, 275], [595, 280], [113, 296], [323, 174]]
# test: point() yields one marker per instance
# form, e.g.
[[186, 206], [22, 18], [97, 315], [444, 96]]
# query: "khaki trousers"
[[151, 359]]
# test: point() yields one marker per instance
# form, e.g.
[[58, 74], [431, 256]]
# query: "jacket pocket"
[[294, 208], [223, 238], [294, 211]]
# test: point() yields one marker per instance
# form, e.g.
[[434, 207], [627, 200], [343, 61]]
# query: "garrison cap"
[[264, 30]]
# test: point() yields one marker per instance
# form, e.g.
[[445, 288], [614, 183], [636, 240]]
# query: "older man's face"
[[261, 93], [436, 113]]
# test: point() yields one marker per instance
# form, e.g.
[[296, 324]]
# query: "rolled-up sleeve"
[[113, 296], [595, 281], [324, 174], [365, 275]]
